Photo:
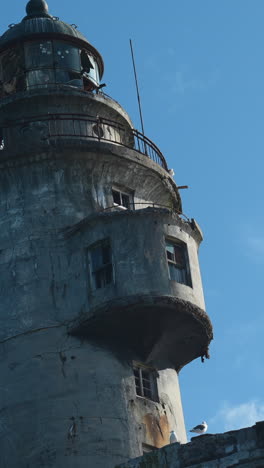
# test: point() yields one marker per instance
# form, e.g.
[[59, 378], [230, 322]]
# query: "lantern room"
[[43, 51]]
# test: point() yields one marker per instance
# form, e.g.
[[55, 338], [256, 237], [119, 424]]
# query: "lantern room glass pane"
[[39, 54], [68, 77], [90, 67], [66, 56], [93, 73], [40, 77]]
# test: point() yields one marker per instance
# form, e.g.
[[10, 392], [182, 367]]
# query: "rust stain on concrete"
[[157, 430]]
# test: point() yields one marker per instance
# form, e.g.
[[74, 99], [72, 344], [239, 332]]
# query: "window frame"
[[151, 391], [53, 72], [184, 266], [103, 268], [123, 192], [28, 71], [32, 51]]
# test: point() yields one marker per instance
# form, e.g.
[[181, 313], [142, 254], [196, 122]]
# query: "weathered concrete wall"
[[170, 314], [62, 403], [141, 257], [152, 421], [68, 403], [231, 449], [29, 113], [76, 180], [35, 262], [70, 400]]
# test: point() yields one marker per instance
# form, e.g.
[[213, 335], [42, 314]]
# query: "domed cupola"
[[37, 8], [42, 51]]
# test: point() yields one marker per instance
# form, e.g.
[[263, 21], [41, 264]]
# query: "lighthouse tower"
[[101, 296]]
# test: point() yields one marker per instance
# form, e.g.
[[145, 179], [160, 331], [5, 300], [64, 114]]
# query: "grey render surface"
[[56, 380], [244, 448], [67, 393]]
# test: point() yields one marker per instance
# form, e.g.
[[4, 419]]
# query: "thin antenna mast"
[[136, 80]]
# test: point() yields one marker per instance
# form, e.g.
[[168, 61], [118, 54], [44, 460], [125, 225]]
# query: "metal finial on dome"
[[37, 8]]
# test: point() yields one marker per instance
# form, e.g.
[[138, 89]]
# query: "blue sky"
[[201, 74]]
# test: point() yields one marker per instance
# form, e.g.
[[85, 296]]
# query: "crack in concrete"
[[29, 332], [63, 359], [160, 430], [64, 350], [166, 460]]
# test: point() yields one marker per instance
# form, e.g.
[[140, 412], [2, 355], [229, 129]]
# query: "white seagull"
[[173, 437], [200, 429]]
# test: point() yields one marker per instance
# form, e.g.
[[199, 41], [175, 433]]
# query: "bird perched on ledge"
[[173, 437], [200, 429]]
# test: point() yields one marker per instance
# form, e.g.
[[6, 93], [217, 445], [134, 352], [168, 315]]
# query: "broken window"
[[86, 62], [94, 73], [12, 71], [101, 264], [122, 199], [146, 382], [178, 263], [89, 70], [47, 62]]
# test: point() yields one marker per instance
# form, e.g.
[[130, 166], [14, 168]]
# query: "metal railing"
[[81, 126], [139, 205], [145, 146]]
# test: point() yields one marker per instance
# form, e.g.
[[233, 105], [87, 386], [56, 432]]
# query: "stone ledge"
[[244, 447]]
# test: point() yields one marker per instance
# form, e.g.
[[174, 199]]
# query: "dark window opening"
[[90, 71], [178, 262], [101, 264], [146, 382], [122, 199], [86, 62]]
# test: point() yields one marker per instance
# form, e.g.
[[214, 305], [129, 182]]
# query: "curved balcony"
[[152, 316], [80, 126]]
